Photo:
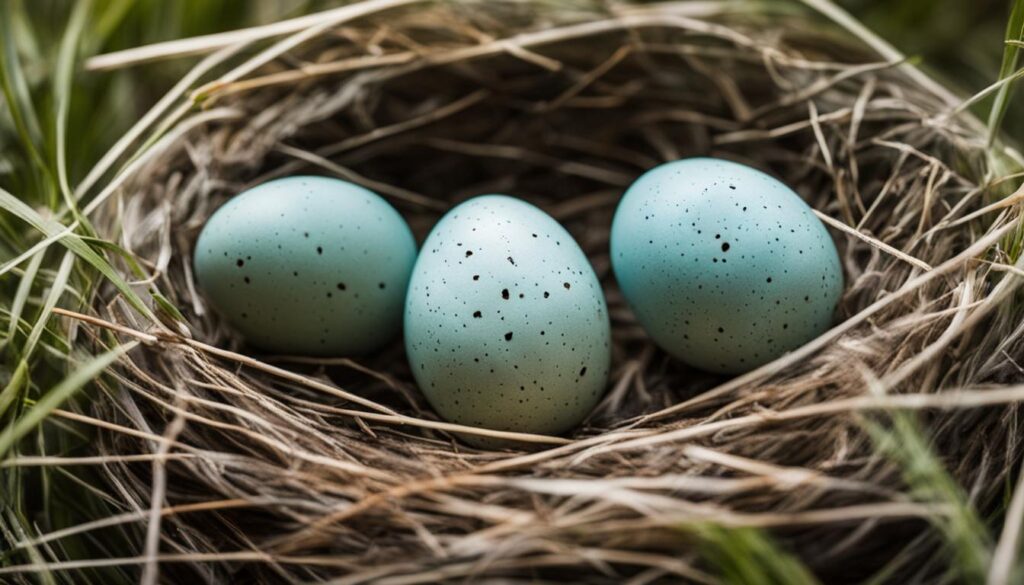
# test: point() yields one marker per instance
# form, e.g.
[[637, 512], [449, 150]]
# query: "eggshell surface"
[[307, 265], [725, 267], [506, 325]]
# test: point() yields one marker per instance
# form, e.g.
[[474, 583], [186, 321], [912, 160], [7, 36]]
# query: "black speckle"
[[583, 371], [247, 281], [511, 261], [769, 280], [546, 294], [725, 246], [508, 336], [319, 250], [341, 286], [476, 277], [566, 285], [469, 253], [504, 293], [477, 314], [240, 263], [381, 285]]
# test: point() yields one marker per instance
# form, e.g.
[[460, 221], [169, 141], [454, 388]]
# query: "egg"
[[724, 266], [506, 325], [307, 265]]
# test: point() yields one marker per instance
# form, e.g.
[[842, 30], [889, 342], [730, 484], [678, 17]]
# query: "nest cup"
[[282, 468]]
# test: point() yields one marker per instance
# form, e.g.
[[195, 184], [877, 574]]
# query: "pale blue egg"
[[725, 267], [307, 265], [506, 326]]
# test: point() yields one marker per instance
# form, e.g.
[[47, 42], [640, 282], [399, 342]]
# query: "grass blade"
[[748, 556], [14, 89], [59, 282], [13, 388], [65, 70], [1011, 57], [21, 295], [74, 243], [964, 533], [59, 394]]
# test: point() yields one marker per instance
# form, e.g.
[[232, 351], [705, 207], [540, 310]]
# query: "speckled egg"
[[307, 265], [725, 267], [506, 326]]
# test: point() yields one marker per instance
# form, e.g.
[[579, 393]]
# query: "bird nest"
[[238, 466]]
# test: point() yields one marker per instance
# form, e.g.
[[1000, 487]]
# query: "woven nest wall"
[[277, 468]]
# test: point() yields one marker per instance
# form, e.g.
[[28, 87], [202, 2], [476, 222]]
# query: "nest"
[[240, 467]]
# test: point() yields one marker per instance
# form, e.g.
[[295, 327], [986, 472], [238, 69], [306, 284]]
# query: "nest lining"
[[292, 469]]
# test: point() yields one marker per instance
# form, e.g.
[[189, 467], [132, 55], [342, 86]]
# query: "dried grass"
[[255, 468]]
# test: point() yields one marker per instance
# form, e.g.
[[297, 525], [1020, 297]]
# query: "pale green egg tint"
[[725, 266], [506, 326], [307, 265]]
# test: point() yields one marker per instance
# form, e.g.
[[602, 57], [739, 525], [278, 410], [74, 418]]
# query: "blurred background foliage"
[[960, 42]]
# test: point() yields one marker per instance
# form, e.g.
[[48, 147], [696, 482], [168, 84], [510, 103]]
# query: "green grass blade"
[[38, 247], [14, 88], [18, 522], [59, 282], [106, 22], [1011, 58], [74, 243], [748, 556], [65, 71], [21, 295], [15, 85], [14, 387], [59, 394], [962, 530]]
